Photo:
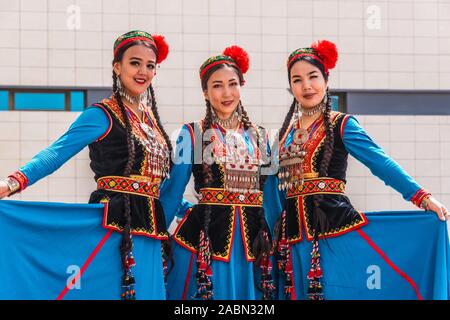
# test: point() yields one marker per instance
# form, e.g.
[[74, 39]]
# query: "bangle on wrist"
[[424, 202], [12, 184]]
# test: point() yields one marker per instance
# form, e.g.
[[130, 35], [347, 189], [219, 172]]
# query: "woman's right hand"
[[4, 189]]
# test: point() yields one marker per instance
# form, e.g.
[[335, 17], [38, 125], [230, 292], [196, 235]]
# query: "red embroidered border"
[[110, 122], [223, 197], [129, 185], [320, 185]]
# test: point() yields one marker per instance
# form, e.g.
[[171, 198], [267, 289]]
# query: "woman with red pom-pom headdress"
[[223, 243], [313, 146], [130, 156]]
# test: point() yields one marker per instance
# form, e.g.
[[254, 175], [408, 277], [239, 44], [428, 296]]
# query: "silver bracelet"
[[12, 184], [423, 203]]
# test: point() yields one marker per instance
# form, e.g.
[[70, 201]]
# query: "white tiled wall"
[[383, 44], [396, 44], [421, 144]]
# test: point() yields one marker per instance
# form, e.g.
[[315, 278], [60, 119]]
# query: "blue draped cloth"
[[43, 246], [398, 255]]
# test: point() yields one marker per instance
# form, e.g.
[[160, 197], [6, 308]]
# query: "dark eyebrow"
[[233, 79], [309, 73], [217, 81], [139, 59]]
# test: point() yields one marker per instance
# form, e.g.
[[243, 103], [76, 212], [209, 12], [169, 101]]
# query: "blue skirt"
[[233, 280], [398, 255], [61, 251]]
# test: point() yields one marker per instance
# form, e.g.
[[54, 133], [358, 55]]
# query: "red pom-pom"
[[327, 52], [240, 56], [162, 46]]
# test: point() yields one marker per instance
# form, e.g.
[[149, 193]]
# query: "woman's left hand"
[[433, 205]]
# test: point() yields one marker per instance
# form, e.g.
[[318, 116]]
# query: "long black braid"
[[207, 170], [126, 245], [287, 120]]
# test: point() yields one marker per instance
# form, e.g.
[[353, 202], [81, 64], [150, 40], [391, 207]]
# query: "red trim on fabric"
[[137, 233], [417, 198], [310, 237], [301, 220], [134, 39], [312, 145], [191, 133], [186, 214], [110, 122], [227, 259], [241, 226], [390, 263], [193, 250], [209, 66], [85, 265], [188, 211], [152, 204], [188, 277], [346, 117], [356, 227]]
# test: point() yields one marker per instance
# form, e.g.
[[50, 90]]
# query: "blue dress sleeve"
[[272, 202], [272, 199], [365, 150], [87, 128], [172, 189]]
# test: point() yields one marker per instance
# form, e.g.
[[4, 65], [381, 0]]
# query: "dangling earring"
[[325, 98], [143, 98], [119, 85], [296, 116]]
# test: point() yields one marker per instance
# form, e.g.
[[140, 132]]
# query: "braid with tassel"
[[126, 246], [320, 221], [204, 270]]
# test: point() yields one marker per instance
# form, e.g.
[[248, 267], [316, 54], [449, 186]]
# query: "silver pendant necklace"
[[312, 111], [134, 99], [229, 122]]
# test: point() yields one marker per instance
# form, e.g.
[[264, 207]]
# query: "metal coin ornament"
[[241, 169], [158, 153], [290, 173]]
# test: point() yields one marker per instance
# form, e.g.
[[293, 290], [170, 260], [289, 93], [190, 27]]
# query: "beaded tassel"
[[204, 271], [267, 285], [128, 281], [284, 261], [315, 291]]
